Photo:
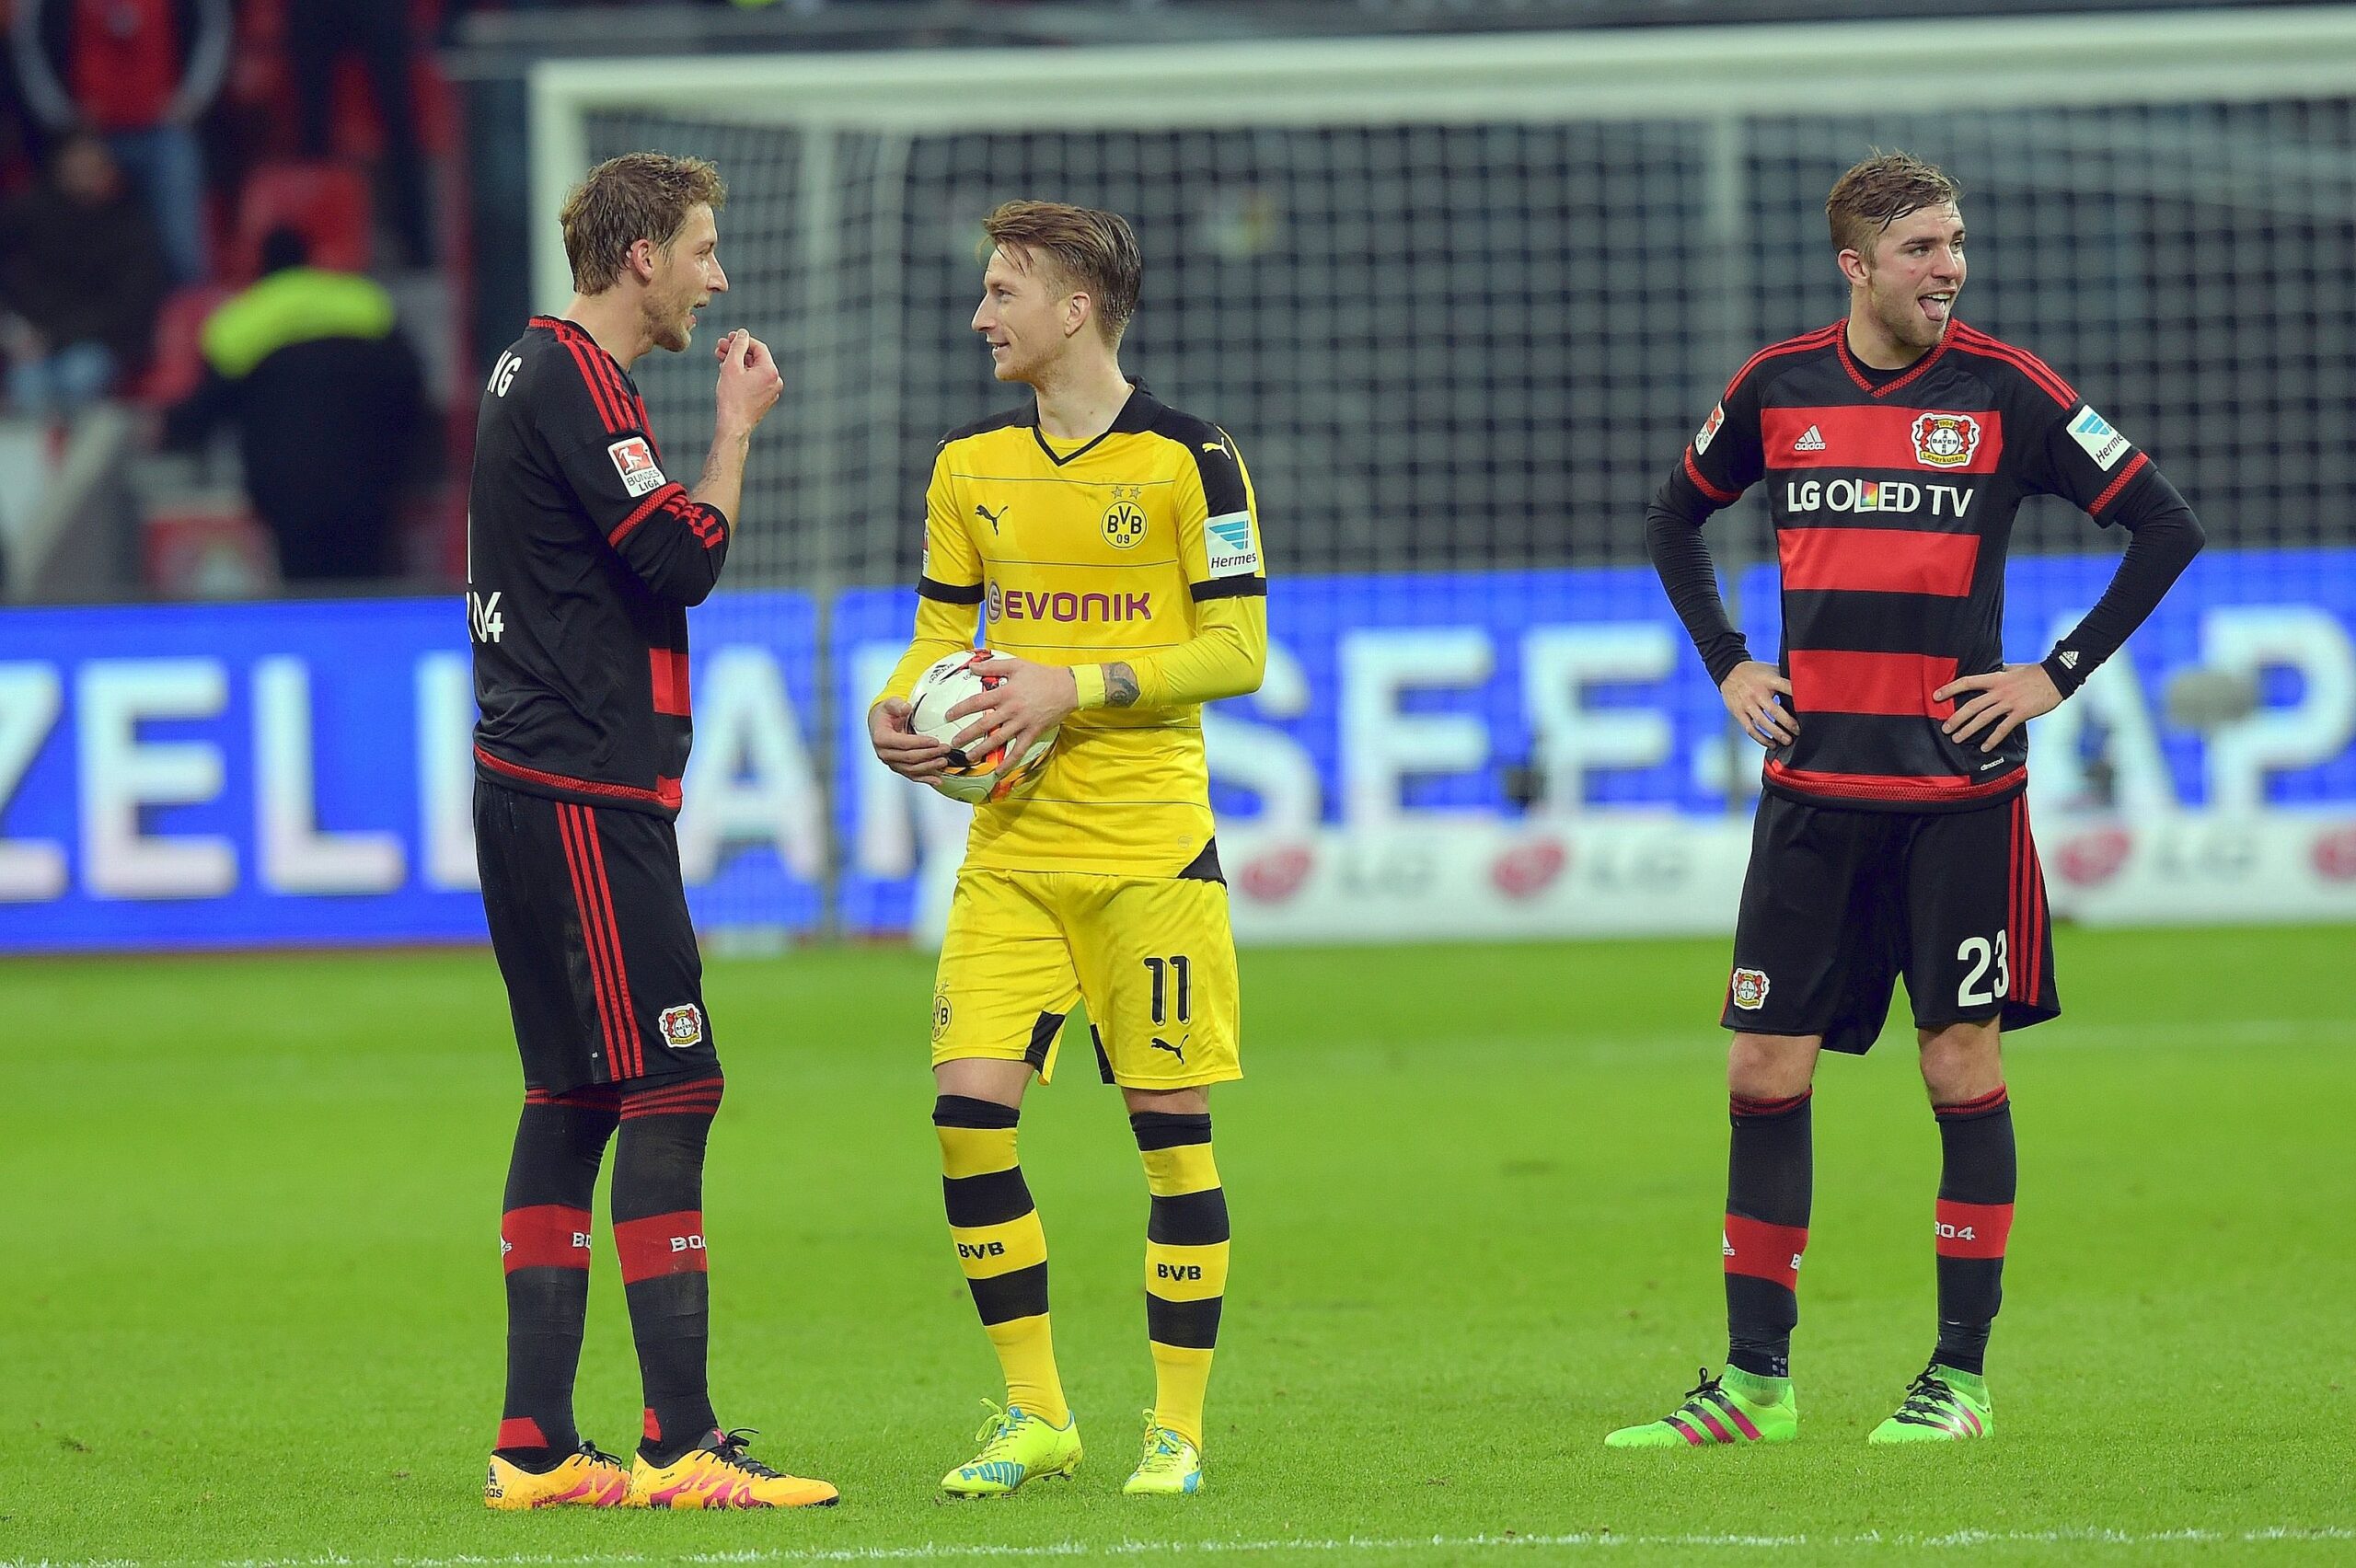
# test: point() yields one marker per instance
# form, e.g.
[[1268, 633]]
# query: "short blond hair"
[[622, 201], [1880, 190], [1095, 250]]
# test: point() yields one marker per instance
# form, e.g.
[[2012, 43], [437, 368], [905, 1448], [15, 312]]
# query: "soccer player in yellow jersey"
[[1107, 546]]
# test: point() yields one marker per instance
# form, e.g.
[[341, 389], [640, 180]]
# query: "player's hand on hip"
[[1029, 700], [1750, 690], [749, 381], [898, 747], [2010, 698]]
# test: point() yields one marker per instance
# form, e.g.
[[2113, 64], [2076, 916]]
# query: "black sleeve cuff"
[[1722, 656], [2066, 670], [1228, 588], [950, 592]]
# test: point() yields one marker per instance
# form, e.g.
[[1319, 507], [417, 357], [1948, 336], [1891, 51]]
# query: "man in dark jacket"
[[82, 275], [328, 398]]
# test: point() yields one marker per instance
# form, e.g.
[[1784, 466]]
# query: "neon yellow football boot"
[[718, 1473], [1734, 1409], [585, 1479], [1172, 1466], [1943, 1405], [1017, 1447]]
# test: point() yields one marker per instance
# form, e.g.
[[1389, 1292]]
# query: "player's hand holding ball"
[[998, 717], [749, 381], [899, 747]]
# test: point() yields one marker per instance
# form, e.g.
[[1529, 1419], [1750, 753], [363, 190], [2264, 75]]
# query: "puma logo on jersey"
[[1178, 1050], [1813, 441], [987, 515], [1213, 445]]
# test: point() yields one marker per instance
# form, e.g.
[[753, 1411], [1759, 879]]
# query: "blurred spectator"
[[138, 72], [82, 275], [328, 401], [318, 33]]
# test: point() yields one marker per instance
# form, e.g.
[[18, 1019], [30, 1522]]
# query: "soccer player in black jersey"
[[1893, 838], [583, 557]]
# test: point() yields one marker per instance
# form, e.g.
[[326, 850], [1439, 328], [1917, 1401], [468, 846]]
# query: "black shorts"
[[589, 919], [1837, 903]]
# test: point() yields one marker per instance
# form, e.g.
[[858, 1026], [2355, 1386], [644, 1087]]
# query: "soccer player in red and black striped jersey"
[[1895, 446], [583, 557]]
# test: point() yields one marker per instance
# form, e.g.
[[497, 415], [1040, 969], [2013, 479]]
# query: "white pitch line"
[[1967, 1539]]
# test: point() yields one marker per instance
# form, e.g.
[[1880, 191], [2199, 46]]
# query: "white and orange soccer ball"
[[993, 776]]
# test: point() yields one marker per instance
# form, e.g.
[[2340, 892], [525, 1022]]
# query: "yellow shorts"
[[1153, 956]]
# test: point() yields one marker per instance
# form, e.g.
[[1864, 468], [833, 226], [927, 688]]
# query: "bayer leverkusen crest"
[[682, 1026], [1749, 989], [1945, 441]]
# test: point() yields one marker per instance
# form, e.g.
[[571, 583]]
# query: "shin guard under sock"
[[544, 1246], [1770, 1180], [1185, 1264], [1978, 1176], [658, 1230], [1001, 1246]]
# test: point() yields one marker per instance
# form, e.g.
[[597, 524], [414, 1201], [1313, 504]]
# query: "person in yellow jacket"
[[327, 399], [1107, 544]]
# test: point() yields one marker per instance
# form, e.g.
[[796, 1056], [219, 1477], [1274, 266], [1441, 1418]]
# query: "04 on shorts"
[[1153, 956]]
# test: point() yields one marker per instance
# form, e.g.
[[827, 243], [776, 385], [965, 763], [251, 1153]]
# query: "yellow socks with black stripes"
[[1185, 1264], [1002, 1248]]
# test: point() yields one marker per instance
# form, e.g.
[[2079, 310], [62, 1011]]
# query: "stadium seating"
[[328, 202], [178, 362]]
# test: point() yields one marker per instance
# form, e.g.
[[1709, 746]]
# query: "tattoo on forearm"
[[715, 468], [1120, 686]]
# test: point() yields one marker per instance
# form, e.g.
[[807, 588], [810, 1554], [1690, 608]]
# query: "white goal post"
[[1457, 295], [1717, 73]]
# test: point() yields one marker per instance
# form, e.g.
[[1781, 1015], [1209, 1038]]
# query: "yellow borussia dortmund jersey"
[[1142, 548]]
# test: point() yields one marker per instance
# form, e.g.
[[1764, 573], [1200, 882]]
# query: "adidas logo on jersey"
[[1811, 441]]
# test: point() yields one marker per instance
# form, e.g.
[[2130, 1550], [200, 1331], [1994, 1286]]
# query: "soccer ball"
[[973, 779]]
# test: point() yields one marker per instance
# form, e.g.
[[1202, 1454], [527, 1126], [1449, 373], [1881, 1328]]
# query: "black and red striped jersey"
[[1893, 495], [583, 557]]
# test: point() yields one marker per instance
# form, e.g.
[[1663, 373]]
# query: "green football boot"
[[1737, 1408], [1017, 1447], [1172, 1466], [1941, 1406]]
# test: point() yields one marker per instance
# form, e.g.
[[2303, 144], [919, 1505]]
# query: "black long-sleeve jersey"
[[582, 558], [1893, 494]]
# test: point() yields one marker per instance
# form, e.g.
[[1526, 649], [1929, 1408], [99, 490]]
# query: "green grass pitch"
[[252, 1310]]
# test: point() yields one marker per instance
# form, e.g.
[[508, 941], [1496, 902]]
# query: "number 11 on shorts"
[[1163, 970]]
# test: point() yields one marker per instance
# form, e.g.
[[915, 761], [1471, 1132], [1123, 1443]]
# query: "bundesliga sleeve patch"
[[2091, 430], [634, 461], [1708, 433], [1228, 541]]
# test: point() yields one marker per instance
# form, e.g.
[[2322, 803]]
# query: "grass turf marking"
[[2085, 1535]]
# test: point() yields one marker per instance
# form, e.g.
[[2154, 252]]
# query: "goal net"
[[1461, 299]]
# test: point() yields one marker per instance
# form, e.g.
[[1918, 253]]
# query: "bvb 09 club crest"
[[1124, 519], [1945, 441]]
